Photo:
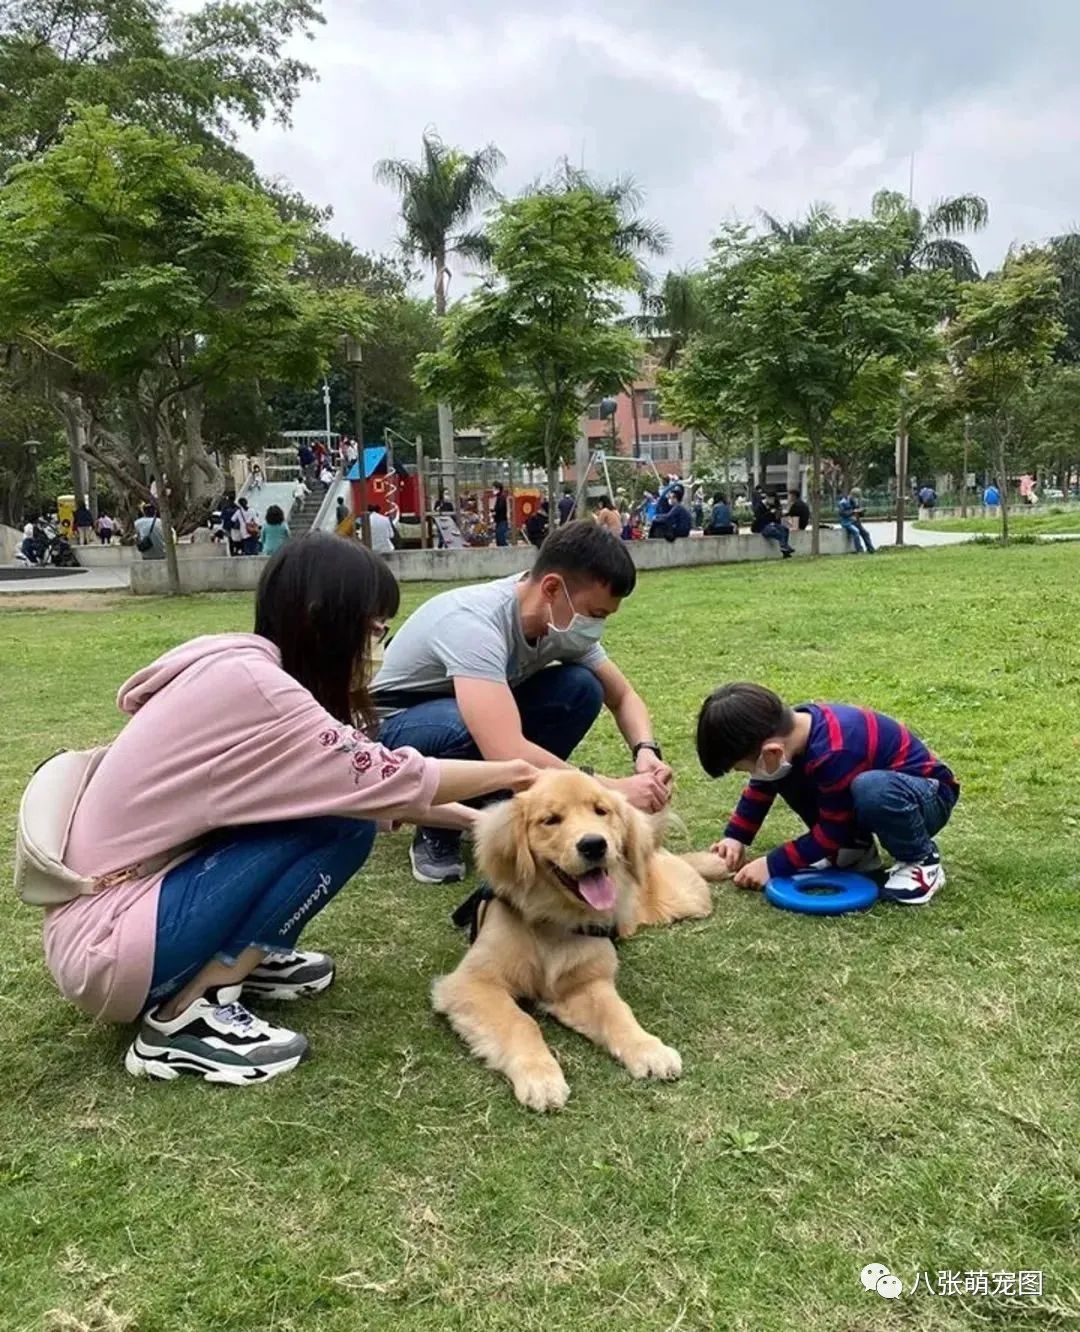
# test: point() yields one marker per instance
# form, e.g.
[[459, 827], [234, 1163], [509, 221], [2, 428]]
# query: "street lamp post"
[[326, 409], [902, 456], [354, 356], [32, 446]]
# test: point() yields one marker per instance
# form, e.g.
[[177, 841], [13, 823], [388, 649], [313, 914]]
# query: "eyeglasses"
[[379, 630]]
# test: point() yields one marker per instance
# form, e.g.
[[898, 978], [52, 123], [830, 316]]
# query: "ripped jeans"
[[253, 887]]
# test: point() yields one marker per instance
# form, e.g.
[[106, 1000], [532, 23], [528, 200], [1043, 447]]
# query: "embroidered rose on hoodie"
[[328, 739], [362, 761]]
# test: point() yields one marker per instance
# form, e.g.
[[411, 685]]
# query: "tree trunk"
[[1003, 473], [164, 504], [446, 417], [202, 476], [549, 468], [815, 493]]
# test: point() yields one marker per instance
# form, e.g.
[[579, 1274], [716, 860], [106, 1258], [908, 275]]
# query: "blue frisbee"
[[829, 892]]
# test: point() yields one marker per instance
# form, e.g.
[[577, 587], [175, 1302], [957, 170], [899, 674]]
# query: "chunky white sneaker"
[[290, 975], [214, 1038], [865, 859], [916, 883]]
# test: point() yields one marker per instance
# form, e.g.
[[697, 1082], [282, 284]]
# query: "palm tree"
[[439, 195], [930, 237], [672, 313], [801, 230], [636, 236]]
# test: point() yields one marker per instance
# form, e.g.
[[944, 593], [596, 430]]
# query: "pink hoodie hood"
[[219, 737], [144, 684]]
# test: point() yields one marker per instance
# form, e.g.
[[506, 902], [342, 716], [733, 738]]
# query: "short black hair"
[[373, 508], [735, 721], [274, 516], [678, 492], [585, 551], [317, 599], [719, 498]]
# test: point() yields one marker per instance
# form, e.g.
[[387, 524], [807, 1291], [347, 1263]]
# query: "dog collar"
[[470, 916]]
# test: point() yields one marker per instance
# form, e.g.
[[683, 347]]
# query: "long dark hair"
[[316, 602]]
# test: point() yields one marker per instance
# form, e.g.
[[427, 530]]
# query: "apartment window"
[[649, 404], [661, 447]]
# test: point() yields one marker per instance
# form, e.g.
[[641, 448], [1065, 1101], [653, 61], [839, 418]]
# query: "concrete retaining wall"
[[214, 574], [119, 557]]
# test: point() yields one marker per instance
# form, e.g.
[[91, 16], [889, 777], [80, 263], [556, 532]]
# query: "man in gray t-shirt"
[[148, 528], [514, 669]]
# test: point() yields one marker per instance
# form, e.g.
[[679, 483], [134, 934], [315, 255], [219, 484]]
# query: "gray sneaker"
[[290, 975], [436, 856], [214, 1038]]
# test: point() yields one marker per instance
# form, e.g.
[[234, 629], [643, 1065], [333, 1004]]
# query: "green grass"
[[898, 1086], [1056, 521]]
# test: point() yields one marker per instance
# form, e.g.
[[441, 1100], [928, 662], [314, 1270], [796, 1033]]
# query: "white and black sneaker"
[[289, 975], [915, 883], [214, 1038], [435, 855]]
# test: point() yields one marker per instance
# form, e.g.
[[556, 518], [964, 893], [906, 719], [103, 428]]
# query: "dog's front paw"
[[542, 1087], [654, 1060]]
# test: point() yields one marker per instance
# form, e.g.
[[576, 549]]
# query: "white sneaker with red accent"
[[914, 883]]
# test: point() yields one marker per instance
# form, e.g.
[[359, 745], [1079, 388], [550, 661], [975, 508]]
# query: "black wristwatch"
[[647, 744]]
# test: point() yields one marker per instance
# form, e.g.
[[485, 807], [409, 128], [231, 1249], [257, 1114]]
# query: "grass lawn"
[[1032, 524], [899, 1086]]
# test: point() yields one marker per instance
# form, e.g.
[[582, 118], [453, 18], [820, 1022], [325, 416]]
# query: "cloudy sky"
[[717, 107]]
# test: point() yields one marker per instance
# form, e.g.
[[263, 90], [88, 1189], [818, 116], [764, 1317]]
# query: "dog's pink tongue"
[[598, 889]]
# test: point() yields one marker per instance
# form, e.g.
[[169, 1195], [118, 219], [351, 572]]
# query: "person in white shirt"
[[299, 490], [382, 531]]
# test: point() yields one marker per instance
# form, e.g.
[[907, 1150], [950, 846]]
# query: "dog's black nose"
[[592, 848]]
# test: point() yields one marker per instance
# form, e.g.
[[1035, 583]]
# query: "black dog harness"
[[470, 916]]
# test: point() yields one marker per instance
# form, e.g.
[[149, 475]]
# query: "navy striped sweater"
[[843, 742]]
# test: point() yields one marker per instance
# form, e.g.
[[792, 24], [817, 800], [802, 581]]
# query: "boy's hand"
[[754, 875], [731, 852]]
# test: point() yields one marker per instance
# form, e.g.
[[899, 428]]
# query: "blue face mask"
[[582, 631]]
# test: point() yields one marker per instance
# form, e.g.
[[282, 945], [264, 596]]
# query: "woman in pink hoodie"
[[244, 744]]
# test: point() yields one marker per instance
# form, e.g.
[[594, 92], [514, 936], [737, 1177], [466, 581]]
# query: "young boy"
[[850, 774]]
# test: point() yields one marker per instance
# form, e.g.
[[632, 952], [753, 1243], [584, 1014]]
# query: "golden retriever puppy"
[[570, 866]]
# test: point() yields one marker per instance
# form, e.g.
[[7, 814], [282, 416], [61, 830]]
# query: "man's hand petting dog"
[[648, 791]]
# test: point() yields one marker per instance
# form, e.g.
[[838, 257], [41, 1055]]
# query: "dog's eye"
[[552, 820], [599, 809]]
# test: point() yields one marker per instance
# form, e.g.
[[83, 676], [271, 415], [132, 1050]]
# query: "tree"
[[145, 283], [1064, 253], [537, 342], [672, 314], [439, 196], [928, 241], [1004, 332], [194, 75], [793, 326]]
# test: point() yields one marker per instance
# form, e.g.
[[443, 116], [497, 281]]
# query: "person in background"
[[300, 490], [675, 521], [306, 460], [992, 500], [721, 521], [500, 515], [766, 524], [383, 531], [927, 502], [850, 516], [565, 508], [798, 511], [608, 516], [149, 537], [275, 531], [697, 506], [341, 511], [349, 452], [245, 528], [84, 525], [326, 476], [255, 477], [322, 457], [444, 504], [228, 512], [204, 534], [266, 803], [105, 529], [536, 525]]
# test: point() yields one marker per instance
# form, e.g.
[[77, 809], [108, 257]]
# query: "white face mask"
[[582, 631], [781, 771]]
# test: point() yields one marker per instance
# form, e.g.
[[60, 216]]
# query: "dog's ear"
[[502, 844], [639, 843]]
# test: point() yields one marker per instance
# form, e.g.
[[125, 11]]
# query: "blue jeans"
[[253, 887], [903, 812], [558, 707], [859, 535], [776, 532], [502, 534]]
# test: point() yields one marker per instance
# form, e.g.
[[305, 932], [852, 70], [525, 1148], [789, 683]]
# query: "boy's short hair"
[[735, 721], [583, 551]]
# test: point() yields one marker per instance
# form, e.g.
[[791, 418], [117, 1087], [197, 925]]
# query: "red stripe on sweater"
[[871, 737], [832, 723], [752, 793], [739, 822], [900, 757]]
